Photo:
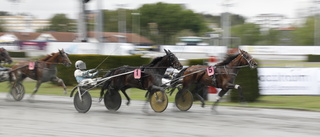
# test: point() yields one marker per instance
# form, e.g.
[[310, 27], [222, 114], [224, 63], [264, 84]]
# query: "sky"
[[44, 9]]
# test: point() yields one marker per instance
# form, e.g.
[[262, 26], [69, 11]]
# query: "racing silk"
[[81, 75]]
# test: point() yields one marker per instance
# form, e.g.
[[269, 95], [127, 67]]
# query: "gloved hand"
[[91, 70], [96, 73]]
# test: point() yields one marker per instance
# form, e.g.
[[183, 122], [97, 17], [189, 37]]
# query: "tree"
[[304, 35], [163, 21], [4, 13], [249, 33], [235, 19], [61, 23], [2, 28], [271, 38]]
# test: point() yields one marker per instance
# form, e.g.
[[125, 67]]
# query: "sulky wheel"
[[17, 91], [112, 100], [184, 100], [159, 101], [82, 104]]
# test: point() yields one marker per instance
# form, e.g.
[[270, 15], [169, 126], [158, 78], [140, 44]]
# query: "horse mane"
[[154, 61], [48, 57], [227, 60]]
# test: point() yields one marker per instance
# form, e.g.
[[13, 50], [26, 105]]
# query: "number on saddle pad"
[[137, 73], [31, 65], [210, 70]]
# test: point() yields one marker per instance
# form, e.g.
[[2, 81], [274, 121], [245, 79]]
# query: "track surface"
[[56, 116]]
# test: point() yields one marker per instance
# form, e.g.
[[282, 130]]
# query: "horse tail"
[[106, 83]]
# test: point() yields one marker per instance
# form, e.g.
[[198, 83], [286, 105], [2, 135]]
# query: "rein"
[[46, 62]]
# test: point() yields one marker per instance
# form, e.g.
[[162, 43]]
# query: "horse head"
[[4, 56], [247, 59], [64, 59], [173, 60]]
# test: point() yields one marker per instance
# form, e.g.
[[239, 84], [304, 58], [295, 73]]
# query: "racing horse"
[[151, 76], [42, 70], [4, 56], [224, 76]]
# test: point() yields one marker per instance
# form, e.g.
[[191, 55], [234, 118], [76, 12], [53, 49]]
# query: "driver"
[[82, 75]]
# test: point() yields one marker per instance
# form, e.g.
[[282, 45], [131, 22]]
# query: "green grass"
[[311, 103]]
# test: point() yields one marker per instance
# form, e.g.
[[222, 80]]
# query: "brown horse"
[[43, 70], [224, 75], [4, 56]]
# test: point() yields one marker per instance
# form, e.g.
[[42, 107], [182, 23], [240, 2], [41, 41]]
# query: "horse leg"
[[36, 88], [196, 92], [60, 81], [201, 99], [145, 107], [220, 95], [126, 95], [241, 97]]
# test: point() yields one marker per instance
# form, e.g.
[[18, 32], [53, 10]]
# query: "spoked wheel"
[[184, 100], [159, 101], [17, 91], [84, 103], [112, 100]]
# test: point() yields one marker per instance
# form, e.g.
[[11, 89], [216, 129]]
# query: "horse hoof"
[[128, 103]]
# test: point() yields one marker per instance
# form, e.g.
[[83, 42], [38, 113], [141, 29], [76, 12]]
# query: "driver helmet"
[[80, 65]]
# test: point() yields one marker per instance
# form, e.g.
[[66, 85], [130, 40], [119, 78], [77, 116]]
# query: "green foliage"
[[271, 38], [249, 33], [197, 61], [304, 35], [61, 23], [19, 54], [234, 19], [92, 61], [248, 80], [2, 28], [170, 19], [313, 58]]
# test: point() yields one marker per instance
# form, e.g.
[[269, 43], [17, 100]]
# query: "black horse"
[[151, 76], [4, 56]]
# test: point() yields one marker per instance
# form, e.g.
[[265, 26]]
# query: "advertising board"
[[289, 81]]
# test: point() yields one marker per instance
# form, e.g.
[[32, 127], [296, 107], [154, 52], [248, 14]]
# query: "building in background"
[[270, 21], [23, 23]]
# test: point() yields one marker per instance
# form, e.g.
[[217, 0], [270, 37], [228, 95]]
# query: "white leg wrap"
[[218, 98], [236, 86]]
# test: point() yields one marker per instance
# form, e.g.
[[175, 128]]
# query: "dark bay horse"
[[4, 56], [150, 80], [224, 75], [43, 70]]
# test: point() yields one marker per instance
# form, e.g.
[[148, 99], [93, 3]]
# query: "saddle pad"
[[210, 70], [31, 65], [137, 73]]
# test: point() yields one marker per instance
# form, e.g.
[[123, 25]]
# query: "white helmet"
[[80, 65]]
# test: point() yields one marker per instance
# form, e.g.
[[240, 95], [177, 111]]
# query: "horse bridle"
[[248, 60]]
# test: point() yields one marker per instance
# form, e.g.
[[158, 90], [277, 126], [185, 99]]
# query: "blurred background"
[[283, 35]]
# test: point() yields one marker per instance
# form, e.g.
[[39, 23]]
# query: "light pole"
[[82, 25], [122, 20], [136, 26], [226, 24]]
